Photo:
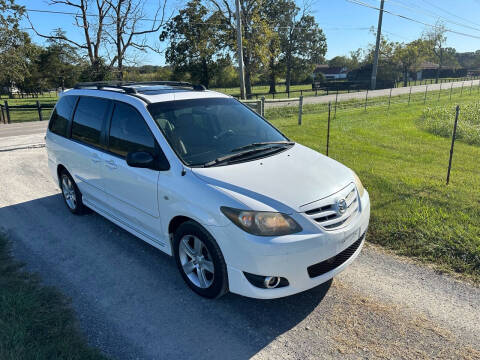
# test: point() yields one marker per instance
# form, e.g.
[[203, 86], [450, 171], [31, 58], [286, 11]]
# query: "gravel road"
[[132, 304]]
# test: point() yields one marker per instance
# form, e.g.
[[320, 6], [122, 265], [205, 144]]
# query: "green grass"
[[36, 322], [404, 169], [438, 120], [20, 115]]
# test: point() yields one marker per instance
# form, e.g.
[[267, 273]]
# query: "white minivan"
[[204, 178]]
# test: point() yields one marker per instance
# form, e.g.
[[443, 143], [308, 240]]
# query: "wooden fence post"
[[7, 110], [2, 114], [471, 86], [410, 95], [300, 110], [461, 91], [39, 109], [366, 99], [457, 110], [451, 88], [439, 92], [328, 126], [425, 98], [263, 105]]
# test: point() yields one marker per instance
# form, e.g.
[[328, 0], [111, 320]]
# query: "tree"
[[107, 23], [409, 56], [435, 39], [127, 20], [303, 43], [194, 42], [256, 32], [16, 49], [277, 12]]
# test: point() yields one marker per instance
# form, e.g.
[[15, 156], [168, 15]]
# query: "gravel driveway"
[[131, 301]]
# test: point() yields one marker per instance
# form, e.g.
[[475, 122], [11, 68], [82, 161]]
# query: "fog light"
[[271, 282], [266, 282]]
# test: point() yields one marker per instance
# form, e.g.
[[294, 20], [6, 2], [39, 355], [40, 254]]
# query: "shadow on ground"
[[130, 299]]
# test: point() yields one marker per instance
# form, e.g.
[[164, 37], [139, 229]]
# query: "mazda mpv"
[[202, 177]]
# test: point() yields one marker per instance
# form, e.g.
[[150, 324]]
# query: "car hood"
[[282, 182]]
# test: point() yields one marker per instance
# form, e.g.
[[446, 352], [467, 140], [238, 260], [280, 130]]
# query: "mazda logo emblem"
[[341, 206]]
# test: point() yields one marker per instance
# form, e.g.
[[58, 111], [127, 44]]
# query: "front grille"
[[326, 212], [335, 261]]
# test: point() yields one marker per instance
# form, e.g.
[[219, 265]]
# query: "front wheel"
[[200, 260]]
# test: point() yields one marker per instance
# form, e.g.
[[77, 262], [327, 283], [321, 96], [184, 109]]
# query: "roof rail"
[[127, 86], [105, 86]]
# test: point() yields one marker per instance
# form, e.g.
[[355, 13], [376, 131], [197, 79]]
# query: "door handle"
[[110, 164], [95, 158]]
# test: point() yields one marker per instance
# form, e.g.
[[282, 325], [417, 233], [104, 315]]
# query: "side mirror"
[[141, 159]]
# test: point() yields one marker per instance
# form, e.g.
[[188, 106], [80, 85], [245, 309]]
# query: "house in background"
[[428, 70], [330, 73]]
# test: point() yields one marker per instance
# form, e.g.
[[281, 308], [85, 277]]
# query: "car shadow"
[[129, 297]]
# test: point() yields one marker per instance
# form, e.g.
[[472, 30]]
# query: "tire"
[[196, 266], [71, 194]]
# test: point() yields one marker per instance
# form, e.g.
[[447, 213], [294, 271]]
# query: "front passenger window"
[[129, 132]]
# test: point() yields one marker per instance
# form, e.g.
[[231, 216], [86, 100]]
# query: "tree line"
[[281, 42]]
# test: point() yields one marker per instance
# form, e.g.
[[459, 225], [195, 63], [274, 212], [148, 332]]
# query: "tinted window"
[[88, 119], [129, 132], [61, 115]]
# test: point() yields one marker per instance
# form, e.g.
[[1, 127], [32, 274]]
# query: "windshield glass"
[[202, 130]]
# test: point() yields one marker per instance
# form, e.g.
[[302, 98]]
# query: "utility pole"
[[240, 50], [377, 46]]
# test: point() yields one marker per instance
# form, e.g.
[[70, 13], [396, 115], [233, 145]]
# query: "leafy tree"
[[303, 43], [15, 46], [256, 31], [194, 42], [409, 56], [435, 39], [349, 62]]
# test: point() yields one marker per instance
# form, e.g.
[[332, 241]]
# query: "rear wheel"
[[200, 260], [71, 195]]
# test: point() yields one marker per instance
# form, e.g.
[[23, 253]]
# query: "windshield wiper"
[[259, 144], [237, 156]]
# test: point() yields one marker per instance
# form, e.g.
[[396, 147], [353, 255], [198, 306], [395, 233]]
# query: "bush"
[[439, 120]]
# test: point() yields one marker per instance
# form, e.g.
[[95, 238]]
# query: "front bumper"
[[286, 256]]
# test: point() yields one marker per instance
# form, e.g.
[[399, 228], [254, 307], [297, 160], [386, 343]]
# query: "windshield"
[[203, 130]]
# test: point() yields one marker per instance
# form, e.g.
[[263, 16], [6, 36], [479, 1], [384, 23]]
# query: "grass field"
[[404, 169], [36, 322], [438, 120]]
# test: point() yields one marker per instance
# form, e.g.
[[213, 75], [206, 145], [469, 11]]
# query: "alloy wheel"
[[196, 261], [68, 191]]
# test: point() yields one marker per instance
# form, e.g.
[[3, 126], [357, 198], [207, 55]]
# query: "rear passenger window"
[[129, 132], [61, 115], [88, 120]]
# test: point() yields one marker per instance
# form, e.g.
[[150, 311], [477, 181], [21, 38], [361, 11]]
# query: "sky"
[[345, 23]]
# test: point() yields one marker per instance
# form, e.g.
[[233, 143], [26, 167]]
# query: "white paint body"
[[144, 201]]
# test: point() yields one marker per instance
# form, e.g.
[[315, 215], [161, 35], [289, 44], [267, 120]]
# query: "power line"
[[450, 13], [433, 15], [361, 3]]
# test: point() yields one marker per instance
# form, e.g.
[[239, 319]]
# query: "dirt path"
[[131, 301]]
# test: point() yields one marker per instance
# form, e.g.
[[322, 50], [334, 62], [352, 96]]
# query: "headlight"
[[262, 223], [360, 188]]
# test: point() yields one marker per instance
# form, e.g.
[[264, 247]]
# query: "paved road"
[[132, 304], [377, 93]]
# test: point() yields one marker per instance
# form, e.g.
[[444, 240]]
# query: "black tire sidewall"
[[220, 277]]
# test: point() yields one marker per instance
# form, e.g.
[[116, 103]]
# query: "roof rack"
[[127, 86]]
